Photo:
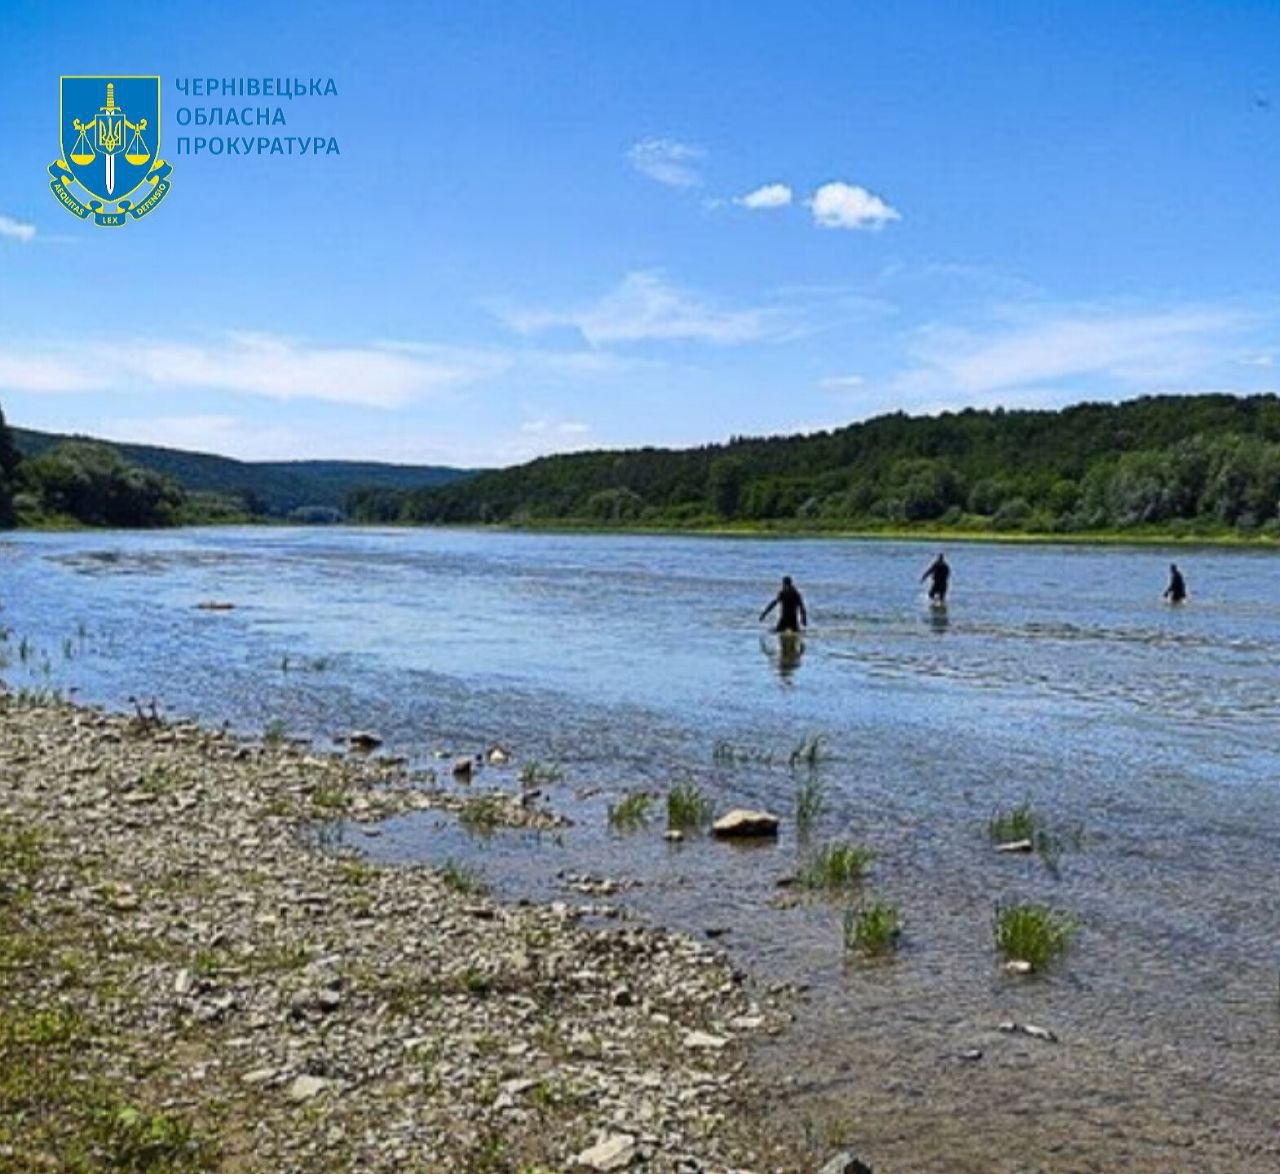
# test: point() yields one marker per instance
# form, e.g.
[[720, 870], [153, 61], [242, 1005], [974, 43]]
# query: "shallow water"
[[1055, 675]]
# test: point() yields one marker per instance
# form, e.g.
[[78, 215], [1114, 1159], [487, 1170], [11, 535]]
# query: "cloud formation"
[[16, 230], [770, 195], [668, 161], [845, 205], [1061, 354], [646, 306], [382, 376]]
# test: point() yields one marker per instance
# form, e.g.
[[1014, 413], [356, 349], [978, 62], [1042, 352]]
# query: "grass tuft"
[[1015, 823], [630, 813], [811, 802], [463, 879], [482, 815], [1034, 934], [808, 753], [1023, 822], [837, 865], [875, 928], [538, 774], [688, 809]]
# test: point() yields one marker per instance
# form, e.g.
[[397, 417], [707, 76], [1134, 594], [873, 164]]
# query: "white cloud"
[[16, 229], [844, 205], [42, 373], [384, 376], [668, 161], [645, 306], [198, 433], [1128, 349], [546, 427], [1058, 355], [842, 382], [771, 195]]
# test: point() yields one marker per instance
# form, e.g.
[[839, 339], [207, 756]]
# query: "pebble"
[[389, 1005], [613, 1153]]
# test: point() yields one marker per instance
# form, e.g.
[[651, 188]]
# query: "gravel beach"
[[191, 979]]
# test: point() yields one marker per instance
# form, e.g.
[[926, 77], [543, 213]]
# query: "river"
[[1145, 734]]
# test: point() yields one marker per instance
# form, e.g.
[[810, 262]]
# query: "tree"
[[95, 485], [8, 472], [724, 485]]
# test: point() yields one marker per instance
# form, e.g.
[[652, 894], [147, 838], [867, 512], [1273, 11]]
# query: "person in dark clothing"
[[792, 615], [940, 572], [1176, 592]]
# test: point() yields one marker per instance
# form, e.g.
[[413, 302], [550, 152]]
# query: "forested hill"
[[274, 488], [1191, 464]]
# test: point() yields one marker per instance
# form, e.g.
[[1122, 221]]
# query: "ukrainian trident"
[[110, 129]]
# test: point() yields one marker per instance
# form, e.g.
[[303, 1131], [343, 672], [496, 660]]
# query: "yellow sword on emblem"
[[110, 138], [111, 124]]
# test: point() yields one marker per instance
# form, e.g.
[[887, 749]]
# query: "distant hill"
[[274, 487], [1169, 464]]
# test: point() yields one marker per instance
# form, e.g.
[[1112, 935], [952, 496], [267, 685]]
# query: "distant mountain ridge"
[[277, 487]]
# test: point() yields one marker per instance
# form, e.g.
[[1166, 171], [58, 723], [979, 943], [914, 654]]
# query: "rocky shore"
[[189, 979]]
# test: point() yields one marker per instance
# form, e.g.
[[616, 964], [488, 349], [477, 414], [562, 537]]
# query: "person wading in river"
[[940, 572], [792, 615], [1176, 592]]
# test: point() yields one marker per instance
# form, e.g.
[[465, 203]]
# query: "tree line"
[[86, 483], [1175, 464]]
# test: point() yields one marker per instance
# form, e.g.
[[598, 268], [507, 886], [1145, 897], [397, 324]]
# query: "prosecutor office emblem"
[[110, 167]]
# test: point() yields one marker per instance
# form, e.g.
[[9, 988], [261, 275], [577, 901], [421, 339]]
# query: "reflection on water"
[[1151, 727], [785, 651]]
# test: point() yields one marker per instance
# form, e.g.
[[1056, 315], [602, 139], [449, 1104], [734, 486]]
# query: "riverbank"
[[190, 981], [1146, 537]]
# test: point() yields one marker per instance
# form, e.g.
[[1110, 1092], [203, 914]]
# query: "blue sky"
[[568, 225]]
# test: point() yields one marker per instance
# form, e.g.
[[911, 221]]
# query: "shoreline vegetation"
[[194, 975], [1199, 466], [1197, 469]]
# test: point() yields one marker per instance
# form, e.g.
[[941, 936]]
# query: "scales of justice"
[[105, 134]]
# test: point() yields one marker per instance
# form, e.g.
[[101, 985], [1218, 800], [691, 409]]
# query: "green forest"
[[84, 483], [1206, 465], [1194, 466], [52, 480], [272, 489]]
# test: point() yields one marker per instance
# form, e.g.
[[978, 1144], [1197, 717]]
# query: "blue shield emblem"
[[110, 132]]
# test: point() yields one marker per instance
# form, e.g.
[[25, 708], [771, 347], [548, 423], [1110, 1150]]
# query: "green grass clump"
[[463, 879], [536, 774], [687, 808], [21, 857], [631, 812], [1015, 823], [811, 801], [837, 865], [482, 815], [355, 871], [276, 732], [875, 928], [1024, 823], [1034, 934], [331, 799], [808, 753], [61, 1092], [134, 1139]]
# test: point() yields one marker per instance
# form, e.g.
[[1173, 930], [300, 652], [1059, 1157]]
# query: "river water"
[[1146, 734]]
